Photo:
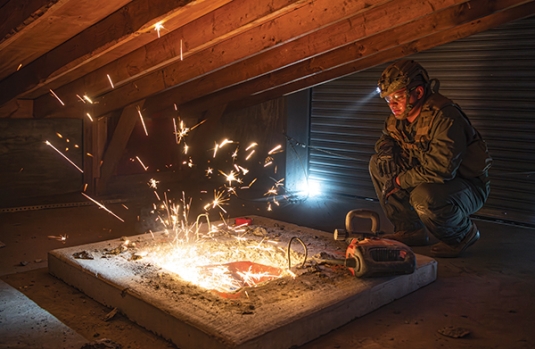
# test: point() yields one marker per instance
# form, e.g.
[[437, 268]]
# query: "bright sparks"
[[89, 116], [66, 158], [55, 95], [158, 27], [274, 150], [103, 207], [231, 177], [142, 164], [142, 121], [109, 79], [89, 100], [153, 183], [250, 154]]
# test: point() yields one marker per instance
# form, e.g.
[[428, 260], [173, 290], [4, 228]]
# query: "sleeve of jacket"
[[385, 143], [443, 156]]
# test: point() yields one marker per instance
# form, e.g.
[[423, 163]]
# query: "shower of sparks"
[[235, 154], [183, 131], [219, 200], [66, 158], [142, 121], [153, 183], [61, 238], [230, 177], [271, 191], [197, 125], [55, 95], [242, 169], [109, 79], [89, 100], [142, 164], [185, 253], [272, 151], [279, 182], [89, 116], [158, 26], [175, 131], [103, 207], [250, 154]]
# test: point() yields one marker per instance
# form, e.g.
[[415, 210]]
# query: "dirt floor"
[[486, 298]]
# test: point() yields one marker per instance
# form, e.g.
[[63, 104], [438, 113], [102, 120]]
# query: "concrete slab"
[[280, 314], [23, 324]]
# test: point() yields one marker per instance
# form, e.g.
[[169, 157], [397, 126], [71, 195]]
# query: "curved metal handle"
[[362, 213]]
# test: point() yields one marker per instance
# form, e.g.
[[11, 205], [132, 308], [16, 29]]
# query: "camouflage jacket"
[[439, 145]]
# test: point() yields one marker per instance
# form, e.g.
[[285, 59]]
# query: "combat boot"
[[419, 237], [443, 250]]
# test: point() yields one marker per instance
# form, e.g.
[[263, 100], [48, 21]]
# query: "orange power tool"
[[369, 255]]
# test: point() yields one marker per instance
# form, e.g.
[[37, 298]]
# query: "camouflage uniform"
[[442, 168]]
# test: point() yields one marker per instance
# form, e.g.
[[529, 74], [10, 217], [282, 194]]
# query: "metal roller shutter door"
[[490, 74]]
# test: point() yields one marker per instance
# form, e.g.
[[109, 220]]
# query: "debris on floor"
[[454, 332], [103, 343]]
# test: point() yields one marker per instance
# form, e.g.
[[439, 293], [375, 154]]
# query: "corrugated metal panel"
[[491, 75]]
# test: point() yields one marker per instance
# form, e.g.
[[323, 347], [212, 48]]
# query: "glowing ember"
[[224, 260]]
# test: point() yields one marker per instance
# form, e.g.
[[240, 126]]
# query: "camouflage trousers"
[[443, 208]]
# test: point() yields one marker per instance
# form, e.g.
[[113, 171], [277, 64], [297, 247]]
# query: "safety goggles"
[[398, 96]]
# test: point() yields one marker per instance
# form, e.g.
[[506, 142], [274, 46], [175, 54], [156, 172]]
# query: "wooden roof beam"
[[485, 22], [363, 25], [276, 31], [45, 27], [120, 33]]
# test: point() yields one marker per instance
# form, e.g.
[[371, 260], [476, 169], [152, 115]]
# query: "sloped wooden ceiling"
[[210, 52]]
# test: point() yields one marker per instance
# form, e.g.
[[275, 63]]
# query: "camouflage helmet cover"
[[402, 74]]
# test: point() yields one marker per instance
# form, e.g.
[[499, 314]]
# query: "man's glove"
[[390, 187], [386, 164]]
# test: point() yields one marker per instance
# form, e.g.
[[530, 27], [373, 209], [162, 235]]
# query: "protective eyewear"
[[398, 96]]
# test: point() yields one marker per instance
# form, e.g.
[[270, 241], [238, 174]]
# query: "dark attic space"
[[267, 174]]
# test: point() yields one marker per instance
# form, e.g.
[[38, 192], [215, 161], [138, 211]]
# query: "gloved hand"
[[390, 187], [386, 164]]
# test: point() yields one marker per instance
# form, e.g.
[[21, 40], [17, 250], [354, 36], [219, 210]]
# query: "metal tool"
[[368, 254]]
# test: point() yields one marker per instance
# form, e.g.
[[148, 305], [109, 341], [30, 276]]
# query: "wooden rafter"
[[286, 27], [127, 121], [431, 30], [214, 52]]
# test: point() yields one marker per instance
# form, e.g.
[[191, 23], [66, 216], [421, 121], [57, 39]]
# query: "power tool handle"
[[363, 213]]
